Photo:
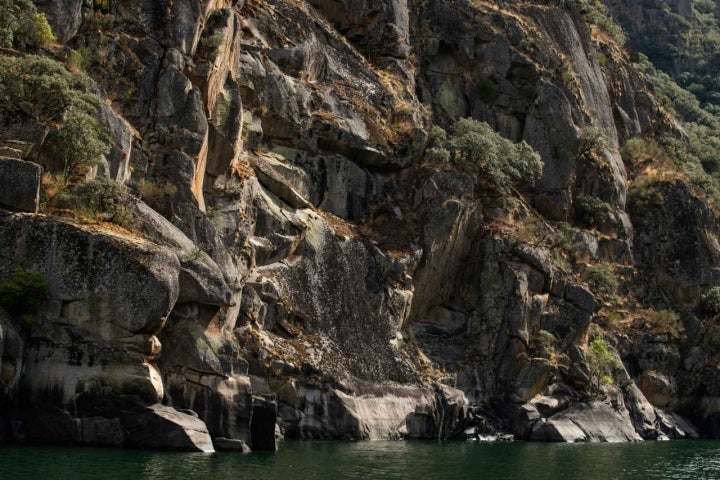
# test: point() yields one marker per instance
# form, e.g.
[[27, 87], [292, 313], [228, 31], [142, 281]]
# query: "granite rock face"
[[21, 185], [297, 265]]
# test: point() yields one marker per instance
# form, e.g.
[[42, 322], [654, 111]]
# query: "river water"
[[377, 460]]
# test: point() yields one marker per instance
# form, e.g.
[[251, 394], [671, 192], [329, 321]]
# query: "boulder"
[[548, 406], [277, 178], [523, 419], [64, 16], [166, 428], [581, 297], [674, 426], [109, 294], [558, 430], [658, 387], [201, 281], [641, 411], [230, 445], [592, 422], [443, 321], [21, 185]]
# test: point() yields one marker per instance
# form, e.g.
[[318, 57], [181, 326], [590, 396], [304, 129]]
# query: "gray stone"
[[674, 426], [642, 412], [99, 431], [118, 159], [558, 430], [231, 445], [581, 297], [538, 258], [164, 427], [593, 422], [20, 182], [523, 420], [64, 16], [548, 406], [269, 173], [658, 387], [444, 321], [109, 296], [201, 281], [12, 349]]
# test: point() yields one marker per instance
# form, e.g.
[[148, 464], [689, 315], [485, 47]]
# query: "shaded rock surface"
[[21, 185]]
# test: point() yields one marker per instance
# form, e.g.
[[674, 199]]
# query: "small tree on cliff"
[[601, 362], [80, 140], [22, 26], [485, 155]]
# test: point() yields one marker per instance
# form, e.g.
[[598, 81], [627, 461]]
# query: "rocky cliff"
[[287, 228]]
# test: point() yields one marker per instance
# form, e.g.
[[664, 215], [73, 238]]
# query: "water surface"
[[377, 460]]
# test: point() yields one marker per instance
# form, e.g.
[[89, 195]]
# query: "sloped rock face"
[[304, 263]]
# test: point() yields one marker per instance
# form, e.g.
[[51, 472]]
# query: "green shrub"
[[208, 45], [592, 140], [101, 199], [635, 150], [490, 158], [591, 211], [437, 155], [602, 59], [436, 136], [80, 140], [711, 301], [545, 342], [487, 90], [601, 363], [644, 196], [79, 59], [22, 26], [45, 87], [24, 293], [602, 279], [594, 12]]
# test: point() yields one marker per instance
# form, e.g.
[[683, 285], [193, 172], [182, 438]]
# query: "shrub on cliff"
[[601, 362], [602, 279], [487, 156], [22, 26], [24, 293], [711, 301], [79, 141], [101, 200], [44, 90]]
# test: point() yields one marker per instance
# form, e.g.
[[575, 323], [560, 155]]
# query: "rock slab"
[[20, 182]]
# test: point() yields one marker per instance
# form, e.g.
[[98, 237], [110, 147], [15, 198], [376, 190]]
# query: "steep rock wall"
[[304, 259]]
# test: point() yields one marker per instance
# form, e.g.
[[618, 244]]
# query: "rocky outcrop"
[[372, 412], [586, 423], [163, 427], [97, 331], [296, 259]]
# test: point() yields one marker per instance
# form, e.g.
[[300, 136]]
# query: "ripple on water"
[[377, 460]]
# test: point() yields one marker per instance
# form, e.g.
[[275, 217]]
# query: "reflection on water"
[[377, 460]]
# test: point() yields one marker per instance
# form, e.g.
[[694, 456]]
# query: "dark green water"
[[377, 460]]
